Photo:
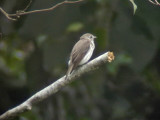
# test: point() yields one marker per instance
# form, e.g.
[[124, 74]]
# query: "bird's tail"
[[70, 68]]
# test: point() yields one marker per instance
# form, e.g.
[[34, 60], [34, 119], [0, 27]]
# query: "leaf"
[[134, 6], [74, 27]]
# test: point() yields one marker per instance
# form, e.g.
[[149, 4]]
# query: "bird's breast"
[[88, 54]]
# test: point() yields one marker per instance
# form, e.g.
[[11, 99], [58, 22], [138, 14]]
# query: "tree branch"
[[57, 85], [22, 12]]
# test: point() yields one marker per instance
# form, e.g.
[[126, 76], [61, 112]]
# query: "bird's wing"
[[79, 51]]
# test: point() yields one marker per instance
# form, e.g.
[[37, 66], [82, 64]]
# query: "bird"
[[81, 52]]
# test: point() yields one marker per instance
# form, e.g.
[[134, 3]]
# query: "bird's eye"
[[91, 37]]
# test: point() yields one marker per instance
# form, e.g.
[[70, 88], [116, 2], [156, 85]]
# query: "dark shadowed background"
[[34, 51]]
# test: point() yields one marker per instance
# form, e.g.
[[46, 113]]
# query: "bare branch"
[[6, 14], [56, 86], [155, 2], [22, 12], [27, 5]]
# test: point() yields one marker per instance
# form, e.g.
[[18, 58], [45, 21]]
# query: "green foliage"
[[12, 60]]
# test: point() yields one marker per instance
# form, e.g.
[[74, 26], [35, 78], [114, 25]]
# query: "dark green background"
[[34, 51]]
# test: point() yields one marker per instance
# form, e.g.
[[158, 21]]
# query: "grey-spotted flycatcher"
[[81, 52]]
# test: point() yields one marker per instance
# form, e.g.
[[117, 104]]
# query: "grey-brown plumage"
[[81, 52]]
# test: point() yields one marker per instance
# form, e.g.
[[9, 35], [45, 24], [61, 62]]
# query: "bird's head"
[[88, 36]]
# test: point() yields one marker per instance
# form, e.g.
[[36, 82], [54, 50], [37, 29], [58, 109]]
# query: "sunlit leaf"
[[134, 6], [74, 27]]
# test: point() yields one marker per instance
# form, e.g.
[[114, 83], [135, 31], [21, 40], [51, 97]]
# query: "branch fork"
[[19, 13]]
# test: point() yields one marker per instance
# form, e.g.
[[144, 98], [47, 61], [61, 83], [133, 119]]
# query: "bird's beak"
[[95, 37]]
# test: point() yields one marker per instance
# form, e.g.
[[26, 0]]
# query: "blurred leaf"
[[121, 59], [18, 54], [3, 65], [41, 39], [153, 76], [134, 6], [74, 27], [31, 115]]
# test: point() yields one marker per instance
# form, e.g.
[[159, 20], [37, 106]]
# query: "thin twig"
[[28, 5], [56, 86], [6, 14], [155, 2], [20, 13]]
